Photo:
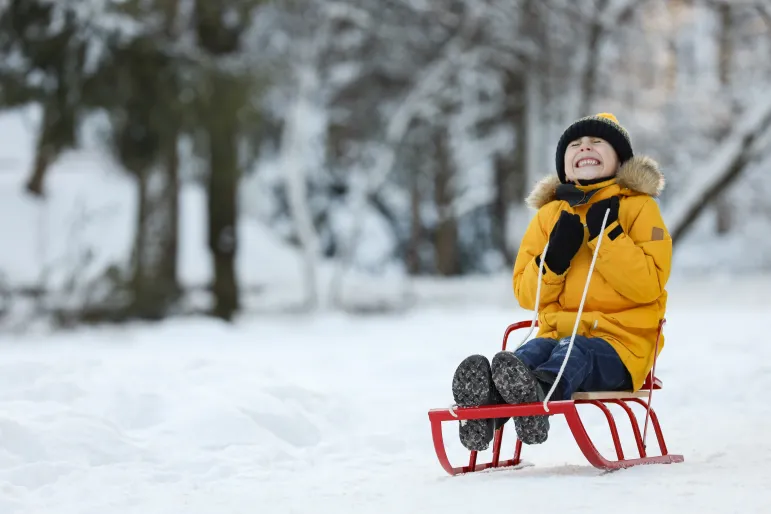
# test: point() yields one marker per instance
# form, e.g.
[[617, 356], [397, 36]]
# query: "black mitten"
[[597, 212], [564, 241]]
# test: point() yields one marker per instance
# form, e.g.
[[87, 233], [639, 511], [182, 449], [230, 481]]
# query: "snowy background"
[[381, 151]]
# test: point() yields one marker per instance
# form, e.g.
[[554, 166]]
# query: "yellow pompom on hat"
[[604, 125], [608, 116]]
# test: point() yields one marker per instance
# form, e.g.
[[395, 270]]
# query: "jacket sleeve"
[[636, 264], [527, 264]]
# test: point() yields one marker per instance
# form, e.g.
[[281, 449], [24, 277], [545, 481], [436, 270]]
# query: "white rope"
[[537, 297], [578, 316]]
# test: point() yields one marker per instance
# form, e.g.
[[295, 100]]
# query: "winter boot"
[[517, 384], [472, 386]]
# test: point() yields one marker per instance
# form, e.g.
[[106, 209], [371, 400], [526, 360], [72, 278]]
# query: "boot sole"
[[517, 384], [472, 386]]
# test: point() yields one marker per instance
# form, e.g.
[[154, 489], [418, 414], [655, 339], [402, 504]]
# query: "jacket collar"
[[638, 175], [576, 195]]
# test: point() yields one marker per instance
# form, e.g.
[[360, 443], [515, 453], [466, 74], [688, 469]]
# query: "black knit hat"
[[603, 125]]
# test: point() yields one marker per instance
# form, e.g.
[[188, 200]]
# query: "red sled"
[[567, 408]]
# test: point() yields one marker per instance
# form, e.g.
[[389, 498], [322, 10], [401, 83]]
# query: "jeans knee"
[[579, 345]]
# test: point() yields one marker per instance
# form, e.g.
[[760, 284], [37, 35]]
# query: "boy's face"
[[590, 158]]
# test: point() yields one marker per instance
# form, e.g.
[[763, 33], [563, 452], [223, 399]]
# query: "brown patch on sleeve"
[[657, 234]]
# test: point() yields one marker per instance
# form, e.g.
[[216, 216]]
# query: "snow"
[[329, 414]]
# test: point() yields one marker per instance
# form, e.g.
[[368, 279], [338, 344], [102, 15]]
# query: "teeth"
[[588, 162]]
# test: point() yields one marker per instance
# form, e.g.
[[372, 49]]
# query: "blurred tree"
[[225, 92], [723, 204], [140, 86], [76, 57], [446, 233], [46, 67]]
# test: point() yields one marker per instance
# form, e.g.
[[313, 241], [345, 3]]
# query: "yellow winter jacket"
[[627, 294]]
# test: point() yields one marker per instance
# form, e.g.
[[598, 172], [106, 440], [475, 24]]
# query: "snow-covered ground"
[[329, 414]]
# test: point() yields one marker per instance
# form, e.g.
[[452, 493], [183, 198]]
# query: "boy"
[[615, 341]]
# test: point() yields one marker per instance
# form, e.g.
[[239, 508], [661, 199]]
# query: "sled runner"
[[568, 409]]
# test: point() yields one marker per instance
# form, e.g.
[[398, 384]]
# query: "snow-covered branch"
[[294, 152], [721, 168], [425, 84]]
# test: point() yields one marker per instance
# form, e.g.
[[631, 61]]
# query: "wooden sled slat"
[[609, 395]]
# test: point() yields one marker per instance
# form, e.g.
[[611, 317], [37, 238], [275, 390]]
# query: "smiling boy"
[[614, 345]]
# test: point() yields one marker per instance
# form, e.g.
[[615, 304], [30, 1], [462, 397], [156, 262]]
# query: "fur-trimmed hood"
[[640, 174]]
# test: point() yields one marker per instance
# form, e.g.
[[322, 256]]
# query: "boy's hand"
[[564, 241], [597, 212]]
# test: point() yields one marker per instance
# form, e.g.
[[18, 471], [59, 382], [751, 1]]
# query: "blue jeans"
[[593, 365]]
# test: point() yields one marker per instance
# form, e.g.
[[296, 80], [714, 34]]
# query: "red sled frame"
[[568, 409]]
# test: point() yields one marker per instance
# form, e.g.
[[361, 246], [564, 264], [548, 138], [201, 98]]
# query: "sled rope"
[[578, 316], [537, 298]]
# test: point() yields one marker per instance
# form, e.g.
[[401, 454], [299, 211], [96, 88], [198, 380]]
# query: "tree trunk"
[[44, 157], [140, 236], [723, 207], [504, 165], [509, 168], [223, 187], [446, 242], [154, 281], [532, 123], [56, 132], [416, 227], [171, 242], [225, 97], [589, 75], [294, 150]]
